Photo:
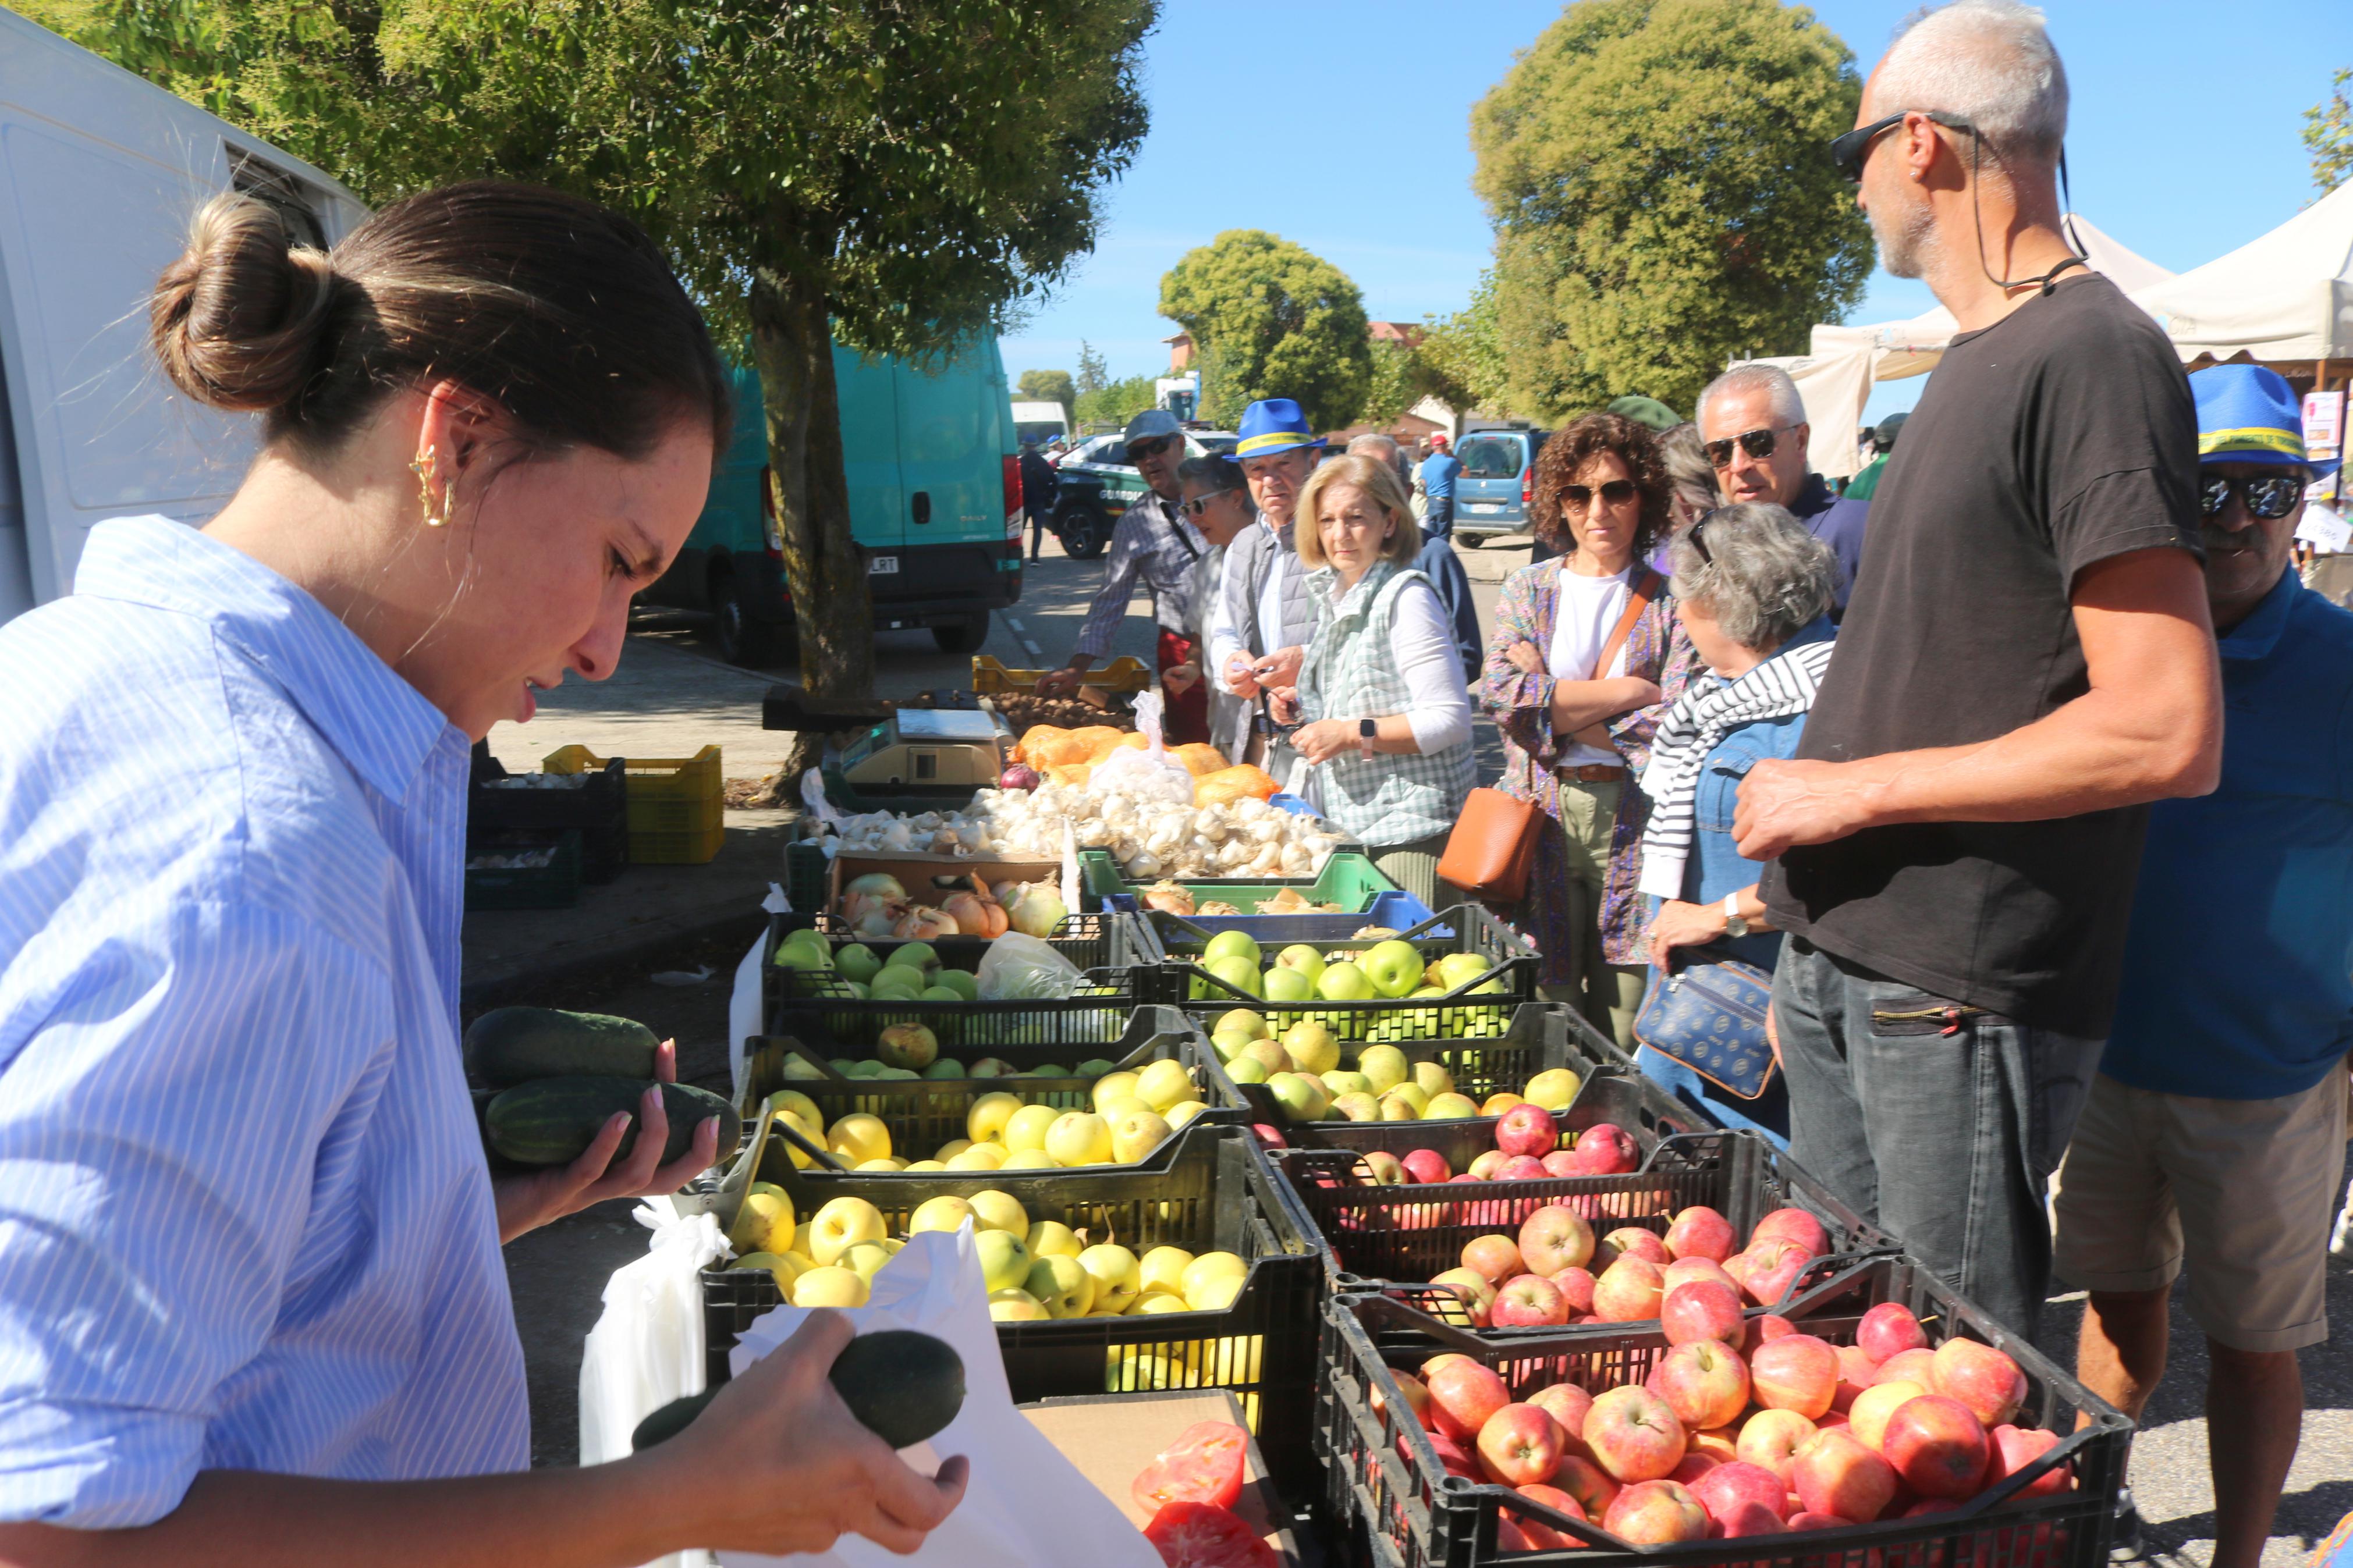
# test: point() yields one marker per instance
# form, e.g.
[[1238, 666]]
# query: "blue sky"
[[1345, 127]]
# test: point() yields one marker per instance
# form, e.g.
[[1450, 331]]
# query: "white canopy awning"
[[2287, 296]]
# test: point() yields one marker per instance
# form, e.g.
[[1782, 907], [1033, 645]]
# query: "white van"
[[1040, 422], [101, 172]]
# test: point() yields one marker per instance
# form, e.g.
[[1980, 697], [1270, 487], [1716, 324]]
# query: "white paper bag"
[[1026, 1504]]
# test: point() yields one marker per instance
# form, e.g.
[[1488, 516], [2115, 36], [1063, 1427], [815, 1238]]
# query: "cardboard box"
[[1112, 1437], [916, 874]]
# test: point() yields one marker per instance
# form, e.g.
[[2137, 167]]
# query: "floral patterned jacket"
[[1521, 706]]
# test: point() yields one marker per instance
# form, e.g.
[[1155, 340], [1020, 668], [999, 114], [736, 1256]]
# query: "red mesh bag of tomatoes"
[[1203, 1535], [1204, 1465]]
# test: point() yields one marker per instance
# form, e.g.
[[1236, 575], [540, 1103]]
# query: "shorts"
[[2241, 1191]]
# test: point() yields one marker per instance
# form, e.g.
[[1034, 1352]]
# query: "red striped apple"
[[1635, 1435], [1493, 1257], [1569, 1405], [1656, 1513], [1463, 1394], [1555, 1238], [1527, 1129], [1606, 1150], [1471, 1289], [1868, 1419], [1699, 1232], [1793, 1224], [1427, 1165], [1627, 1291], [1701, 1311], [1857, 1371], [1522, 1168], [1832, 1473], [1520, 1446], [1982, 1378], [1795, 1372], [1889, 1329], [1584, 1480], [1703, 1382], [1937, 1445], [2014, 1448], [1911, 1366], [1542, 1536], [1633, 1241], [1729, 1486], [1770, 1440], [1527, 1301], [1578, 1285]]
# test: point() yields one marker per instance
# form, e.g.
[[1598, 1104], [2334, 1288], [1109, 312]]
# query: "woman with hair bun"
[[252, 1305]]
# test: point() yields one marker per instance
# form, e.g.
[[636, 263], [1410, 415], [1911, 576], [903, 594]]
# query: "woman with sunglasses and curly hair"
[[1584, 659]]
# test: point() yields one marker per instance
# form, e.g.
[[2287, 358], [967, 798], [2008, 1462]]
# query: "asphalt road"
[[674, 694]]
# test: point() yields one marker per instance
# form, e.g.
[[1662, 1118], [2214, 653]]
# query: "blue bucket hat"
[[1273, 424], [2248, 414]]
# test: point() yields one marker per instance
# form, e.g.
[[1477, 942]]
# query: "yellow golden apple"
[[830, 1285], [1163, 1083], [1077, 1138], [859, 1138], [1163, 1268], [985, 1123], [994, 1210], [1052, 1239], [1119, 1279], [1135, 1136], [1026, 1128], [840, 1225], [979, 1157], [946, 1212]]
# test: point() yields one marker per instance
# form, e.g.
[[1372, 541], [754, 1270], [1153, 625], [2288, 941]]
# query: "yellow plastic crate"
[[1125, 673], [676, 809]]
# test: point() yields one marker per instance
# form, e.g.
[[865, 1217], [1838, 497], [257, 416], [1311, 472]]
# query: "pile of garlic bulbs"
[[1150, 839]]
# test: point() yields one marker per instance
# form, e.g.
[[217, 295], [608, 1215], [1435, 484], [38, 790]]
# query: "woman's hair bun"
[[239, 321]]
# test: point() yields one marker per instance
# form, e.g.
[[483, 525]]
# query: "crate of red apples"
[[1619, 1195], [1877, 1411]]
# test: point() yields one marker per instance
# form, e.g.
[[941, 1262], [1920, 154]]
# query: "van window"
[[1038, 430], [276, 189], [1490, 456]]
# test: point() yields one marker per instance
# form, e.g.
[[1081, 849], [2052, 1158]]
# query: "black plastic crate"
[[1379, 1236], [554, 886], [1175, 977], [925, 1113], [1383, 1472], [597, 806], [1106, 946], [1216, 1194], [1539, 1036]]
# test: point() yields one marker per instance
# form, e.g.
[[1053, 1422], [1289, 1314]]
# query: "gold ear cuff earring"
[[423, 469]]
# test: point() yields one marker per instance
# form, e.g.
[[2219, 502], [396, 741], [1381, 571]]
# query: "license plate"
[[1485, 506], [882, 566]]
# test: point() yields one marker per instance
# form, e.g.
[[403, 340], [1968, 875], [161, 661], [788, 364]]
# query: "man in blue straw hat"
[[2214, 1133], [1264, 617]]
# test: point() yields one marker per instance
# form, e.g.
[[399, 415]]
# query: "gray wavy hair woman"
[[1754, 591]]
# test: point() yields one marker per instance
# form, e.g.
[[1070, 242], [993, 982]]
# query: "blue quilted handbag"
[[1709, 1015]]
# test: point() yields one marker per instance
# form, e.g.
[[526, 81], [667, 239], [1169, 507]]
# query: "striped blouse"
[[245, 1221]]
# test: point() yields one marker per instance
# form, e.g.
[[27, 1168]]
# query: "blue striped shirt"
[[244, 1220]]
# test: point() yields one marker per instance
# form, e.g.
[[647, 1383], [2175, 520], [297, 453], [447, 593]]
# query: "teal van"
[[934, 506]]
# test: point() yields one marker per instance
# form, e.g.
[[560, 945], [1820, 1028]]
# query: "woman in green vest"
[[1384, 724]]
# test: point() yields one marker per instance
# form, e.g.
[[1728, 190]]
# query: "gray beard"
[[1906, 245]]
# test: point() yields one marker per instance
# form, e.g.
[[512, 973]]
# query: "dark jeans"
[[1944, 1128], [1037, 516], [1440, 519]]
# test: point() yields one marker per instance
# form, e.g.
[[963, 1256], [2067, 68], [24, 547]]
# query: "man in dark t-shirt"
[[2026, 662]]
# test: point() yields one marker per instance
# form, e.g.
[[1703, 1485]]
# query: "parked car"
[[935, 505], [1099, 484], [101, 172], [1493, 491]]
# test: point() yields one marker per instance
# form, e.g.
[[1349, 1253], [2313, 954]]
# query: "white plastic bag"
[[647, 1348], [1151, 774], [1027, 1505], [1018, 968]]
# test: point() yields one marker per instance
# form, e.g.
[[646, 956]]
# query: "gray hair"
[[1372, 444], [1690, 473], [1764, 578], [1215, 474], [1988, 61], [1788, 408]]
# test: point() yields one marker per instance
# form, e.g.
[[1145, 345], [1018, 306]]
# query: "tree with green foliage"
[[1094, 375], [1116, 403], [2329, 134], [1661, 197], [1271, 319], [1462, 354], [1051, 386], [894, 174]]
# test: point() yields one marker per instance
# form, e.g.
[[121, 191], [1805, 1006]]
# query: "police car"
[[1096, 484]]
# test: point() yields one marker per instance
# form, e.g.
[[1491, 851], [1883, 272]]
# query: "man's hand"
[[1058, 683], [1280, 667], [1679, 924], [1179, 679], [527, 1200], [1786, 803]]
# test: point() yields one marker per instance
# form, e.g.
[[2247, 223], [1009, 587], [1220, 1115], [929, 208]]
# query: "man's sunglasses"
[[1615, 492], [1757, 444], [1848, 152], [1145, 449], [2271, 497]]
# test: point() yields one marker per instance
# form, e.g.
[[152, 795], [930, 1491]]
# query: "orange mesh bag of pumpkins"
[[1044, 746], [1200, 758], [1074, 773], [1231, 784], [1094, 742]]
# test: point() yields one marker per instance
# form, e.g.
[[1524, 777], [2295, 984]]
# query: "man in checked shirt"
[[1154, 541]]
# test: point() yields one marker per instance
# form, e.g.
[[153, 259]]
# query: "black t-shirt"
[[2059, 437]]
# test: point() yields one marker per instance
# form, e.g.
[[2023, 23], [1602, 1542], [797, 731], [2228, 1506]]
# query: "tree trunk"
[[792, 347]]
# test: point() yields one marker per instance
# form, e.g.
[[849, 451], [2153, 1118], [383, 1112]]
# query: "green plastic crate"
[[1348, 880]]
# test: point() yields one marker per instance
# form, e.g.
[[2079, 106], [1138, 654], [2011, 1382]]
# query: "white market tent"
[[2287, 296], [1836, 377]]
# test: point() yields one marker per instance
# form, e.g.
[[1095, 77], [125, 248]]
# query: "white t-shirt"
[[1586, 611]]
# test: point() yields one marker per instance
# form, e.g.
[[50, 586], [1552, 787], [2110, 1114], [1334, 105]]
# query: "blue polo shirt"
[[1438, 471], [2236, 972]]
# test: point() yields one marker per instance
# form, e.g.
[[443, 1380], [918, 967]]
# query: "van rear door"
[[1487, 491], [868, 396]]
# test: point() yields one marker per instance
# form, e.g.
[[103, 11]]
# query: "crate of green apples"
[[852, 991], [1302, 1072], [1121, 1102], [1458, 974], [1102, 1281]]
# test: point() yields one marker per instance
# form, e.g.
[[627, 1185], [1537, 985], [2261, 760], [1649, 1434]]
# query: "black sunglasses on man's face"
[[1757, 444], [1848, 152], [2270, 497]]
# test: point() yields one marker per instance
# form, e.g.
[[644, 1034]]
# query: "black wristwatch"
[[1368, 732]]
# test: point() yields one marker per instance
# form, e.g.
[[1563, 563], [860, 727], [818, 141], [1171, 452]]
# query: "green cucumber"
[[508, 1045], [902, 1386], [552, 1121], [669, 1421]]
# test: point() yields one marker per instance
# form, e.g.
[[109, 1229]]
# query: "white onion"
[[923, 923]]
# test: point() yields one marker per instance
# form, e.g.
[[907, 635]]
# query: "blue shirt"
[[1439, 563], [1438, 471], [1838, 522], [245, 1218], [1716, 867], [2236, 971]]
